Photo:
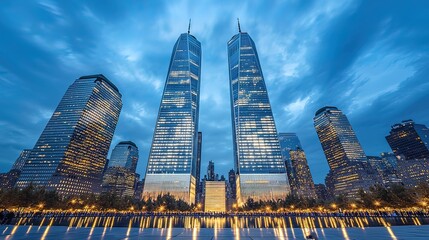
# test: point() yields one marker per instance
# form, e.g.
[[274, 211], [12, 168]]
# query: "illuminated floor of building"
[[62, 232]]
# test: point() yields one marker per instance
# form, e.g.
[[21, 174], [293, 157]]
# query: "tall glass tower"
[[70, 154], [172, 160], [350, 170], [261, 173]]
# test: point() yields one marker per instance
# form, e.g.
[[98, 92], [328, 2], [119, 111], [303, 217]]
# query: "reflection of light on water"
[[15, 227], [105, 227], [321, 227], [291, 227], [170, 228], [93, 226], [45, 233], [129, 226], [236, 229], [391, 233], [29, 228], [343, 229], [195, 233], [41, 223], [416, 221]]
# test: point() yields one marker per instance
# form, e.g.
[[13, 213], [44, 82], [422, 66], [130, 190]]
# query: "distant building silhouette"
[[70, 154], [211, 175]]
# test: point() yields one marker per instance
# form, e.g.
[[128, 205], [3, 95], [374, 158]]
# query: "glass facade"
[[384, 169], [409, 140], [258, 160], [173, 155], [20, 161], [126, 155], [120, 177], [303, 181], [288, 142], [215, 196], [70, 154], [350, 170], [120, 181]]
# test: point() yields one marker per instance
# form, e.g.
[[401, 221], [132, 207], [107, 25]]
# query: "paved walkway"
[[60, 232]]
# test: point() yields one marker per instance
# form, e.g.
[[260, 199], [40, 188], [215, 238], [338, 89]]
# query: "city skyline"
[[308, 70]]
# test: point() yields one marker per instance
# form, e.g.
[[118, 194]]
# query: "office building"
[[70, 154], [215, 197], [303, 181], [8, 180], [385, 170], [349, 167], [413, 172], [20, 161], [126, 155], [120, 176], [288, 142], [299, 176], [409, 140], [390, 158], [261, 173], [173, 155]]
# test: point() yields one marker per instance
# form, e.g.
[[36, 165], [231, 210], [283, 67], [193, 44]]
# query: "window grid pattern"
[[70, 154]]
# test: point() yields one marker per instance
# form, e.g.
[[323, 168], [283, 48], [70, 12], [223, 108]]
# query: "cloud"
[[367, 58]]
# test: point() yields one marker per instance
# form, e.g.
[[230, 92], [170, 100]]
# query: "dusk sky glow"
[[368, 58]]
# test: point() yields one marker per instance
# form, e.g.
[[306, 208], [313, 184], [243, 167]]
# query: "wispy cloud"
[[372, 64]]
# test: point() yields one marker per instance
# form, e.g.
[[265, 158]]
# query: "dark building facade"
[[70, 154], [409, 140], [304, 185], [20, 161], [385, 169]]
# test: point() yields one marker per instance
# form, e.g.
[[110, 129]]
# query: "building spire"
[[239, 28], [189, 26]]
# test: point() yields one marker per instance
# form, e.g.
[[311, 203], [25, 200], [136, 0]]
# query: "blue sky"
[[368, 58]]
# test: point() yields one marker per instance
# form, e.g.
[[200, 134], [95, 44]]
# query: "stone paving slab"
[[120, 233]]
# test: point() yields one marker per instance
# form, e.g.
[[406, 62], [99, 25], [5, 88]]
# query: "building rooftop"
[[323, 109], [127, 143], [102, 78]]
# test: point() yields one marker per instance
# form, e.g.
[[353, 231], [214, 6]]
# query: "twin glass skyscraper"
[[173, 155], [70, 155], [261, 173]]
